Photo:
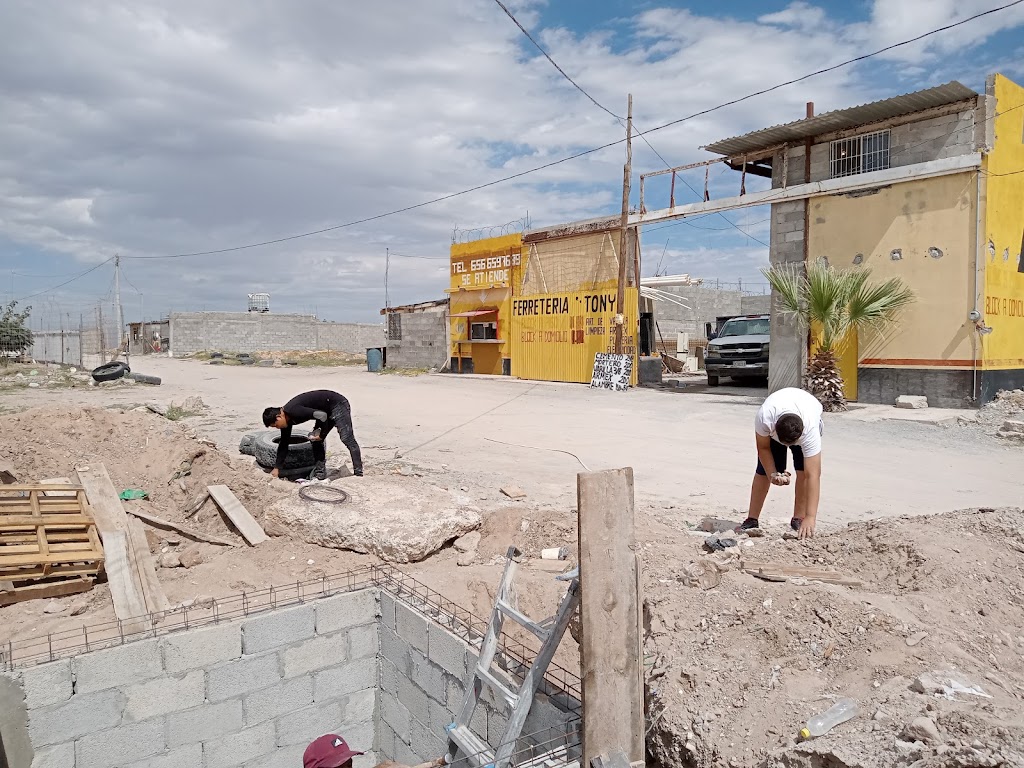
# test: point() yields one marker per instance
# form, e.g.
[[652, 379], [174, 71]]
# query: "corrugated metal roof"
[[841, 119]]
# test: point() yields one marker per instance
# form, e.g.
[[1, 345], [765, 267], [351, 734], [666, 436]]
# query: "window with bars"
[[859, 154], [394, 326]]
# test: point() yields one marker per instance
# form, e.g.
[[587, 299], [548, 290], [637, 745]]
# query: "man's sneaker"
[[795, 523], [320, 471], [749, 524]]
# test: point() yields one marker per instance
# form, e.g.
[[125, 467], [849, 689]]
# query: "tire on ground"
[[300, 451], [247, 445], [110, 371], [144, 379]]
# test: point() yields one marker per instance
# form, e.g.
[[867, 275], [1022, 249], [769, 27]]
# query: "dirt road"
[[692, 453]]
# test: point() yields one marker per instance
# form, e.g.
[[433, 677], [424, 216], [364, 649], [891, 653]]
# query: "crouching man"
[[329, 410], [788, 421]]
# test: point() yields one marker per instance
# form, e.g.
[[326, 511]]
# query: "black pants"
[[340, 418]]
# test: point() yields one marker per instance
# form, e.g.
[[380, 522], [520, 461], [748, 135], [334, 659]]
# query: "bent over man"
[[329, 410], [788, 419]]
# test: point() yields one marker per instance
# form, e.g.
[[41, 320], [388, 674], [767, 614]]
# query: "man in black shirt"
[[329, 410]]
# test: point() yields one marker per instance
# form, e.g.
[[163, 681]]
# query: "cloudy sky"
[[151, 129]]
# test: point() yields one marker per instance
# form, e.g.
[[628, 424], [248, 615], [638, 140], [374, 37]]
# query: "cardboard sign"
[[612, 372]]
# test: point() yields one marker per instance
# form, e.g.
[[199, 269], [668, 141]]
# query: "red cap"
[[329, 751]]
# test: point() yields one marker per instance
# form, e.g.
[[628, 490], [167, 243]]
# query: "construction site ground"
[[921, 507]]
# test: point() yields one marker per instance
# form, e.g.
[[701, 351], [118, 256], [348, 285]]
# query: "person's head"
[[274, 417], [789, 427], [328, 751]]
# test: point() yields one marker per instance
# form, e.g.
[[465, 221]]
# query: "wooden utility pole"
[[611, 659], [627, 173]]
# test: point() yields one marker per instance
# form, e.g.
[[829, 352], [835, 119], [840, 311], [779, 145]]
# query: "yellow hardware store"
[[542, 304]]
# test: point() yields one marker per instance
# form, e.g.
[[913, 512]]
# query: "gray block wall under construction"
[[192, 332], [252, 693]]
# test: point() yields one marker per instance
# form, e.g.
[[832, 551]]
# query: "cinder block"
[[456, 690], [47, 684], [388, 677], [201, 648], [164, 695], [497, 722], [412, 627], [404, 754], [428, 677], [336, 682], [241, 747], [120, 746], [361, 735], [286, 757], [314, 654], [447, 651], [394, 713], [351, 609], [191, 755], [363, 642], [423, 741], [278, 700], [277, 629], [366, 760], [304, 725], [58, 756], [115, 667], [385, 740], [242, 676], [414, 699], [361, 705], [83, 714], [204, 723], [441, 716], [395, 649], [478, 721]]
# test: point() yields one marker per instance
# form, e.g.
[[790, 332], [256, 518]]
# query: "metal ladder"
[[550, 632]]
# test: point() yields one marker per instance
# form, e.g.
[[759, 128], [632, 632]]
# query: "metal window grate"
[[859, 154], [394, 326]]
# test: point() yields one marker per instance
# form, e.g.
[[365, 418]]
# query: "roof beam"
[[839, 186]]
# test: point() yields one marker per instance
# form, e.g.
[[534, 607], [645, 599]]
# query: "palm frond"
[[786, 281], [875, 306]]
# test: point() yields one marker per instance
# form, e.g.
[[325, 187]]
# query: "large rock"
[[912, 401], [399, 519]]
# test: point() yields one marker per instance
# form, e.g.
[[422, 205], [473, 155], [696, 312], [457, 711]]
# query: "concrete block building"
[[927, 187], [417, 335]]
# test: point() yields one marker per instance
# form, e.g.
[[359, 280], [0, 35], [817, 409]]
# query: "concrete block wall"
[[423, 673], [756, 305], [192, 332], [246, 694], [788, 340], [56, 347], [424, 342], [706, 303]]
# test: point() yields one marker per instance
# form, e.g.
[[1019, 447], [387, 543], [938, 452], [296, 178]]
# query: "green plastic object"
[[132, 494]]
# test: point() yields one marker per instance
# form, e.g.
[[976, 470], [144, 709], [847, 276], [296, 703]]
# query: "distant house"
[[417, 335], [927, 187]]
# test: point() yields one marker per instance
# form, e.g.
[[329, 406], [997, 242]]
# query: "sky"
[[152, 129]]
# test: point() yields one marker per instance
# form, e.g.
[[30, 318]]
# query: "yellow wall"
[[934, 332], [1004, 232], [555, 336], [482, 275]]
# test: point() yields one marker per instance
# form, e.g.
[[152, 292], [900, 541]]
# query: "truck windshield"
[[745, 327]]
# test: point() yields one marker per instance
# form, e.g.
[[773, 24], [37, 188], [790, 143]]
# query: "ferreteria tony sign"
[[560, 305]]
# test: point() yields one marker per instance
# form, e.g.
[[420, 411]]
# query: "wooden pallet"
[[49, 545]]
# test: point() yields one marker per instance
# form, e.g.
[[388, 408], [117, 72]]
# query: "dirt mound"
[[738, 669], [140, 450]]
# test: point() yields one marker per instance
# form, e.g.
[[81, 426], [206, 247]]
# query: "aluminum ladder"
[[550, 632]]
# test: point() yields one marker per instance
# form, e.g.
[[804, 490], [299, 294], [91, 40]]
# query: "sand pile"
[[931, 646]]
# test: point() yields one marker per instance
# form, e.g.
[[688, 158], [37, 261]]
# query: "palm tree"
[[835, 302]]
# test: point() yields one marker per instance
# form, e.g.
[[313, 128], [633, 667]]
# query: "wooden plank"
[[145, 567], [127, 598], [778, 571], [8, 522], [38, 591], [37, 516], [64, 488], [611, 665], [104, 503], [159, 522], [29, 573], [246, 525]]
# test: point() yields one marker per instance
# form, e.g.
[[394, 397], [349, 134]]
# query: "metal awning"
[[474, 313], [842, 119]]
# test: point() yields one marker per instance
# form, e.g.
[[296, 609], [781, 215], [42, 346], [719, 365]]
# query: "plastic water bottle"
[[819, 725]]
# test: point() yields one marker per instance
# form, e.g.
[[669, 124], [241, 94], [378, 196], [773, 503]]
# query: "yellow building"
[[927, 187], [542, 304]]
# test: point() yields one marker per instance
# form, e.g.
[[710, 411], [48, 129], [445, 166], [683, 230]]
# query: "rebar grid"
[[556, 745]]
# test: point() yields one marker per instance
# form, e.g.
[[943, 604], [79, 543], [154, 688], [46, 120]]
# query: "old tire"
[[300, 451], [712, 381], [247, 445], [216, 355], [144, 379], [110, 371]]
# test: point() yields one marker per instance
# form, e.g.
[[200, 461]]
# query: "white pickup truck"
[[739, 349]]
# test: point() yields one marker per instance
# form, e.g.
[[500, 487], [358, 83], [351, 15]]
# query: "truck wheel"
[[712, 381], [300, 451]]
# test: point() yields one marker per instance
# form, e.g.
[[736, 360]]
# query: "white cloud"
[[148, 128]]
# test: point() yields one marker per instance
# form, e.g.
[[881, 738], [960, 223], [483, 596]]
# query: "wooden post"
[[610, 658], [627, 172]]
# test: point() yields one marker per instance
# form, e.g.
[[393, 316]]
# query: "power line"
[[583, 153], [73, 279]]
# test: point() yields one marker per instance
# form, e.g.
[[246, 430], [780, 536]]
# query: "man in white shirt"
[[789, 418]]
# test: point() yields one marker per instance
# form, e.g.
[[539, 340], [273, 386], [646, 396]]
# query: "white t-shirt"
[[792, 400]]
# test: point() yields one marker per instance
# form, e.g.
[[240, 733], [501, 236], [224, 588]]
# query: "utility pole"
[[118, 319], [627, 173]]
